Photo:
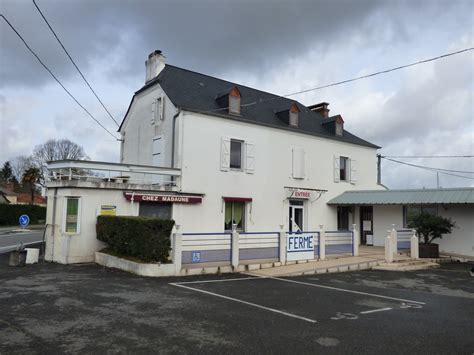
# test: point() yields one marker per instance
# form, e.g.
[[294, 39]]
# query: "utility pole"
[[379, 169]]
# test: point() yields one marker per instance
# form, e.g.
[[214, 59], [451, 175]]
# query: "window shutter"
[[161, 103], [337, 176], [225, 153], [158, 151], [153, 112], [298, 163], [353, 165], [249, 157]]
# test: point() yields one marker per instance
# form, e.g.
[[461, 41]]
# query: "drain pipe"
[[173, 139], [55, 197]]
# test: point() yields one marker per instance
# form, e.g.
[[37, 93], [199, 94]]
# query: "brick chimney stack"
[[321, 108]]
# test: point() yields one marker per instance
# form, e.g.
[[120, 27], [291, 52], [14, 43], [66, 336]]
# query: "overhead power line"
[[351, 80], [427, 156], [436, 170], [55, 78], [74, 63]]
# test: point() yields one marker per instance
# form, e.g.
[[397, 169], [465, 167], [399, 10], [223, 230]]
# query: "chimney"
[[154, 65], [321, 108]]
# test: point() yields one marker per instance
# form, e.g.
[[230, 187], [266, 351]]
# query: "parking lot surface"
[[50, 308]]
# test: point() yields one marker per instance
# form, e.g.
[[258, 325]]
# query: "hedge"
[[147, 239], [10, 214]]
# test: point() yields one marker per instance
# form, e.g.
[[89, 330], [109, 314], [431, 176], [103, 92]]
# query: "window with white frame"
[[294, 119], [236, 154], [71, 222], [339, 129], [343, 168], [234, 104], [414, 210], [234, 214]]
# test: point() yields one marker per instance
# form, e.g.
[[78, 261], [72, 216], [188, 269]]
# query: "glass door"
[[296, 216]]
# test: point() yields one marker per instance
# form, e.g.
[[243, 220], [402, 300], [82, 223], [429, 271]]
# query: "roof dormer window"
[[294, 116], [234, 101], [339, 126]]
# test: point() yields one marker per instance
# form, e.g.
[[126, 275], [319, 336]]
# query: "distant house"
[[7, 196], [25, 199]]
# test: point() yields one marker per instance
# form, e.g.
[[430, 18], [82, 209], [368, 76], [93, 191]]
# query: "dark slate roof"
[[197, 92], [405, 197]]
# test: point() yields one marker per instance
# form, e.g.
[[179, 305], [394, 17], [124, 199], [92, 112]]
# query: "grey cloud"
[[209, 36]]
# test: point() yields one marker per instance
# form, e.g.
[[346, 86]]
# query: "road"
[[9, 239]]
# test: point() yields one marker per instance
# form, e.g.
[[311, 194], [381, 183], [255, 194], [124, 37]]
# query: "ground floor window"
[[410, 211], [234, 214], [156, 210], [72, 215], [343, 218]]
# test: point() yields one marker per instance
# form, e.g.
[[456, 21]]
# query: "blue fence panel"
[[404, 239], [200, 248], [258, 245], [339, 242]]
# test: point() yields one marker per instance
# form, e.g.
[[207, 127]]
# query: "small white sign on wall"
[[299, 246]]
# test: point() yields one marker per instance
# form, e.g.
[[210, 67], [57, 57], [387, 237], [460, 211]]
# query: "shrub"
[[10, 214], [147, 239], [430, 227]]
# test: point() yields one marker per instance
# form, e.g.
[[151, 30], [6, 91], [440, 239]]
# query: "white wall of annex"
[[201, 149], [80, 247], [461, 240], [384, 217]]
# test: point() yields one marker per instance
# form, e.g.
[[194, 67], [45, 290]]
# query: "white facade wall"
[[201, 173], [80, 247], [383, 219], [461, 240]]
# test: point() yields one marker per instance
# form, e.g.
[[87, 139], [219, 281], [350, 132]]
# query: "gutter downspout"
[[53, 221], [173, 139]]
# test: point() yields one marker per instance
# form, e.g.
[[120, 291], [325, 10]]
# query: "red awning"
[[237, 199]]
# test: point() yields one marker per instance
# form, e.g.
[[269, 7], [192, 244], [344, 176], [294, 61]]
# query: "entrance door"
[[366, 225], [296, 214], [156, 210]]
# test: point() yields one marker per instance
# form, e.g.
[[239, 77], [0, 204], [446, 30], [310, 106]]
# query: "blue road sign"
[[24, 220]]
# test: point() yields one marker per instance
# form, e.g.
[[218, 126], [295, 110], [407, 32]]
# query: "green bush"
[[147, 239], [10, 214]]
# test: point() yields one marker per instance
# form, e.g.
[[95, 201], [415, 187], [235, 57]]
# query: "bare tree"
[[20, 164], [62, 149]]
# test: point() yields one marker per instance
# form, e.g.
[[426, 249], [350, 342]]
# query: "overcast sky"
[[276, 46]]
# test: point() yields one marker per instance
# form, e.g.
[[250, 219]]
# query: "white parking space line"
[[340, 289], [245, 302], [217, 280], [376, 310]]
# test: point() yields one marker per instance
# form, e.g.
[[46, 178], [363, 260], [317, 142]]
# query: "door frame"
[[363, 234], [291, 211]]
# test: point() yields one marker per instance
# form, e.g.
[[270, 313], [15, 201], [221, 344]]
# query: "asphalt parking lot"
[[50, 308]]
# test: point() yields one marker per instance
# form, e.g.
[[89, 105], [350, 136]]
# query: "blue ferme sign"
[[196, 256], [299, 246]]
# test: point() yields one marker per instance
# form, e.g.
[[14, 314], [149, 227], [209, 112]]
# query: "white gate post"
[[388, 249], [355, 240], [235, 246], [414, 245], [394, 236], [177, 251], [322, 242], [282, 244]]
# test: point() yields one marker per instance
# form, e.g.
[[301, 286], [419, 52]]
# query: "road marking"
[[246, 303], [376, 310], [216, 280], [339, 289]]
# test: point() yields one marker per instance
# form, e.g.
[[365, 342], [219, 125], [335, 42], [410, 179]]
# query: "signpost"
[[24, 220], [299, 246]]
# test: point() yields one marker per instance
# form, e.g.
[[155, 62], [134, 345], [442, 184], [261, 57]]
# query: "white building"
[[258, 159], [209, 153]]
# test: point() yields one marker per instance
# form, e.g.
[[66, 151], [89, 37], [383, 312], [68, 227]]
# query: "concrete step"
[[406, 266]]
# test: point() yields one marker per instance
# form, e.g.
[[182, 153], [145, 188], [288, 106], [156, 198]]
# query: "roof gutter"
[[173, 136]]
